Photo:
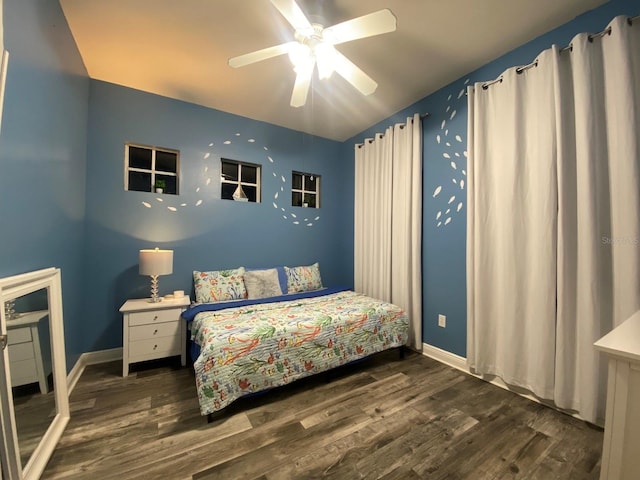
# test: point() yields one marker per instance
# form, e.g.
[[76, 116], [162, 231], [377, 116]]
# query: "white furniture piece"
[[12, 452], [153, 330], [620, 452], [25, 352]]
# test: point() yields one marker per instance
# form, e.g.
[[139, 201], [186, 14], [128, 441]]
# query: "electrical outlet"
[[442, 321]]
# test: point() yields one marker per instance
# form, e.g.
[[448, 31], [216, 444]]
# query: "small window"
[[305, 190], [239, 181], [151, 169]]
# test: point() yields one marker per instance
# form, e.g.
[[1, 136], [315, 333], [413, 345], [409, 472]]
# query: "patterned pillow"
[[303, 279], [219, 286], [262, 283]]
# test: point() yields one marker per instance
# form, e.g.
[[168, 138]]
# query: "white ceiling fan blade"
[[259, 55], [301, 87], [376, 23], [294, 15], [353, 74]]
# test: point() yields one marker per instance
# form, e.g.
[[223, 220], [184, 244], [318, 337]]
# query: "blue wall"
[[445, 139], [43, 153], [205, 232]]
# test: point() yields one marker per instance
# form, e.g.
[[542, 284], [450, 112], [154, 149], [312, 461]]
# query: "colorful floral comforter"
[[252, 348]]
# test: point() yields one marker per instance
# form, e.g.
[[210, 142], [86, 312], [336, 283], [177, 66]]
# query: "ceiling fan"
[[314, 45]]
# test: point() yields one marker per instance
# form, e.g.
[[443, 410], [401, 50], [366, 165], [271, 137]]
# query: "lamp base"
[[154, 290]]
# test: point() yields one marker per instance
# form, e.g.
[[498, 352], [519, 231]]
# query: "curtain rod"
[[592, 37], [422, 116]]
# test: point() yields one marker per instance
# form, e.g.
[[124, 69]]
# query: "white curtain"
[[388, 220], [553, 238], [512, 228]]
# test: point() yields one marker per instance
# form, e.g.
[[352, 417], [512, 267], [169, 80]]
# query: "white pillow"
[[262, 283]]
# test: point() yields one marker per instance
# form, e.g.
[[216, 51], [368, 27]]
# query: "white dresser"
[[153, 330], [621, 449], [25, 351]]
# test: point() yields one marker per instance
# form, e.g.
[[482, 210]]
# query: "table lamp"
[[154, 263]]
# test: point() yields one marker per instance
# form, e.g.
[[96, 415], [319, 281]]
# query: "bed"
[[245, 346]]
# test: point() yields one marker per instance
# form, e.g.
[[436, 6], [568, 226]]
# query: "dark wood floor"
[[384, 418]]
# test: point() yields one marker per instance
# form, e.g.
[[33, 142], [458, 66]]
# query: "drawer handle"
[[155, 346], [155, 331], [155, 318]]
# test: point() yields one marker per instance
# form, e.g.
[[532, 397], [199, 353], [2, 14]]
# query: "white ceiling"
[[179, 49]]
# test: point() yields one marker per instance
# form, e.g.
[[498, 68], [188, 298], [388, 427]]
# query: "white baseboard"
[[448, 358], [91, 358]]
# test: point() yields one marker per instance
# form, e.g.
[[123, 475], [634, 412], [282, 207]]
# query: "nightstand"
[[25, 355], [153, 330]]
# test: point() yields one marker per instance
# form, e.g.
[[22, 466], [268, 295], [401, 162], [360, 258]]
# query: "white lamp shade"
[[156, 262]]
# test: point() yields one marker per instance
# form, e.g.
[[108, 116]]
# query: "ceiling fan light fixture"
[[325, 58], [300, 56], [305, 69]]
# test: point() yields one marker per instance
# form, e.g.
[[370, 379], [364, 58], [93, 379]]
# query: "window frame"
[[153, 171], [304, 190], [239, 181]]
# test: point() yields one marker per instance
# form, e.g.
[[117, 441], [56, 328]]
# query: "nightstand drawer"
[[155, 348], [21, 351], [18, 335], [156, 316], [158, 330]]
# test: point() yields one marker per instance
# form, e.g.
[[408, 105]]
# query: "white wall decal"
[[213, 156], [453, 131]]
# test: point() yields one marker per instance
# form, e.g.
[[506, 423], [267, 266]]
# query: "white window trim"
[[240, 181], [315, 192], [153, 171]]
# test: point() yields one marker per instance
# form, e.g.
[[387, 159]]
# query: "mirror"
[[34, 399], [29, 345]]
